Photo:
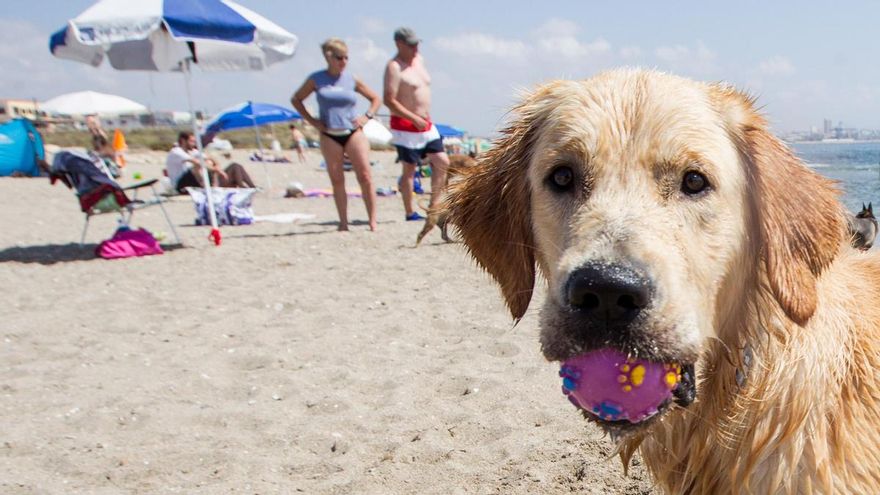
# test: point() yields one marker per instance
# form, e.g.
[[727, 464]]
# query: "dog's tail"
[[424, 204]]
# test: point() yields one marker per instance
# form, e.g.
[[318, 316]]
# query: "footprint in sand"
[[458, 385], [251, 363], [502, 349], [325, 406]]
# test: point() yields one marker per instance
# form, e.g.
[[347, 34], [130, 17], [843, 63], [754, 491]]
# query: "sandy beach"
[[292, 359]]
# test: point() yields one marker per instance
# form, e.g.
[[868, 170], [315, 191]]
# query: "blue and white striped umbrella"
[[169, 35], [161, 35]]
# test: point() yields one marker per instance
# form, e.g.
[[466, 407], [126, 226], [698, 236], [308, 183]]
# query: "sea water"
[[856, 165]]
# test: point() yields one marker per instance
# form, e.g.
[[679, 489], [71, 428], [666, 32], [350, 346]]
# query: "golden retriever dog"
[[458, 165], [669, 224]]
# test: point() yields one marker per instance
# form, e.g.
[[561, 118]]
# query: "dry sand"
[[293, 358]]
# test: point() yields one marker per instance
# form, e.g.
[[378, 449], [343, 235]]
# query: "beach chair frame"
[[126, 211], [104, 194]]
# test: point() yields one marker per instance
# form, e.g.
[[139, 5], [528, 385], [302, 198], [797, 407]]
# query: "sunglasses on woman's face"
[[340, 57]]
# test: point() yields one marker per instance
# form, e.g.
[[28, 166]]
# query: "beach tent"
[[20, 148], [173, 35], [91, 102]]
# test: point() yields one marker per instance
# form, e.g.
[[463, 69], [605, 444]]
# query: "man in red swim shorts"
[[407, 95]]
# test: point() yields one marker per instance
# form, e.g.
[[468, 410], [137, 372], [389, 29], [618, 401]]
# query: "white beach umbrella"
[[170, 35], [91, 102]]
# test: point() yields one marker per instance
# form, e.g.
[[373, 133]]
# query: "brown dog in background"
[[672, 226], [458, 165]]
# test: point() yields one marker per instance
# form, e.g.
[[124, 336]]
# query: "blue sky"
[[804, 60]]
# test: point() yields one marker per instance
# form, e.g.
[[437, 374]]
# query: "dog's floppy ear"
[[801, 221], [491, 209]]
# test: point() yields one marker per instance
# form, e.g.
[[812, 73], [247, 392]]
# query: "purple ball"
[[613, 387]]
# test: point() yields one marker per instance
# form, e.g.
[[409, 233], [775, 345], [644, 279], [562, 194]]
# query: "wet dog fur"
[[741, 253]]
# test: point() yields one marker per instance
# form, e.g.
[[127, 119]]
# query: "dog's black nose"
[[609, 293]]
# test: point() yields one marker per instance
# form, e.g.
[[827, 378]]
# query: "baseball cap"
[[407, 36]]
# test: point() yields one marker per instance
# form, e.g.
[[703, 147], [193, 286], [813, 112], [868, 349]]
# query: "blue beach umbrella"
[[449, 131], [250, 114], [171, 35]]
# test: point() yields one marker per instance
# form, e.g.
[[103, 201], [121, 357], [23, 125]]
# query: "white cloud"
[[776, 66], [31, 71], [367, 50], [568, 46], [559, 36], [697, 61], [682, 53], [556, 28], [375, 25], [481, 44]]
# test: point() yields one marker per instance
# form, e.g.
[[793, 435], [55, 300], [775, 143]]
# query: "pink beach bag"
[[128, 243]]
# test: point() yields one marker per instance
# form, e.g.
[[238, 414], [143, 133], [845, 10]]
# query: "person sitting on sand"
[[184, 170], [340, 128]]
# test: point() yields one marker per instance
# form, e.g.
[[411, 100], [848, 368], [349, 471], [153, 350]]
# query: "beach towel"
[[232, 206], [326, 193], [283, 217], [127, 243]]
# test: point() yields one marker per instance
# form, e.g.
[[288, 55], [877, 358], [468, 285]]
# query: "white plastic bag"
[[376, 133]]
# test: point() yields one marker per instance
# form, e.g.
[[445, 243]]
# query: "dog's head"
[[647, 202]]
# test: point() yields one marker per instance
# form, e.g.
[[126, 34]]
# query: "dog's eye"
[[562, 178], [694, 183]]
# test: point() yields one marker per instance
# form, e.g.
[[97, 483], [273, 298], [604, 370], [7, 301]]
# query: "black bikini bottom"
[[342, 140]]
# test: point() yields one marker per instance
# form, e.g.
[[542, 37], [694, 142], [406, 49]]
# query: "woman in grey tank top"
[[336, 91]]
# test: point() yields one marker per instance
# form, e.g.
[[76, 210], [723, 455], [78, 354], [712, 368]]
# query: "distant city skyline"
[[804, 62], [830, 131]]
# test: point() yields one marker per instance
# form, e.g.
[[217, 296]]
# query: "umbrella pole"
[[215, 231]]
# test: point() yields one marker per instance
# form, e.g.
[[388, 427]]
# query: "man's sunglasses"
[[340, 58]]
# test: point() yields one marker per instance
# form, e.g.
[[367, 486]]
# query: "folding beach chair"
[[96, 190]]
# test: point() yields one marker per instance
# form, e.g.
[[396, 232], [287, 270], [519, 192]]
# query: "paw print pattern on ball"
[[614, 387]]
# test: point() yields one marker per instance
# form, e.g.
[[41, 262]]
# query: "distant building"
[[828, 127], [171, 118], [11, 108]]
